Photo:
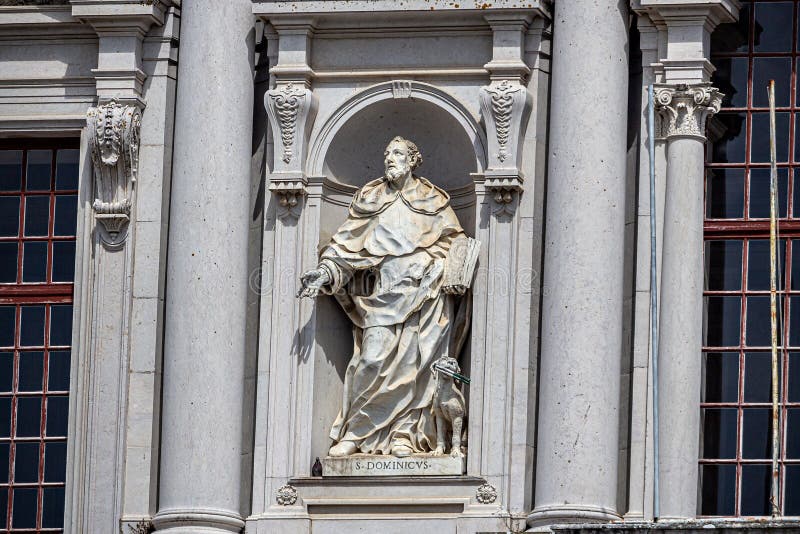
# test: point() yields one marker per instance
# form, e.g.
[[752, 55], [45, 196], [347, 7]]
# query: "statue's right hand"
[[312, 281]]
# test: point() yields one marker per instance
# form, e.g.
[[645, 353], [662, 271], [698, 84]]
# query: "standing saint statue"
[[387, 265]]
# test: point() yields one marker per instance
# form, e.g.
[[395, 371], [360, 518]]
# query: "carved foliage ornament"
[[286, 101], [486, 494], [286, 495], [502, 104], [113, 130], [686, 108], [505, 107]]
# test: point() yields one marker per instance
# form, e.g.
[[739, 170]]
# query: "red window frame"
[[747, 229], [51, 297]]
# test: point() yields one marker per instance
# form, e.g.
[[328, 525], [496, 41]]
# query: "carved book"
[[461, 260]]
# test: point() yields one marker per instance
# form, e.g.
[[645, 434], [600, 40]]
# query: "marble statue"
[[399, 267]]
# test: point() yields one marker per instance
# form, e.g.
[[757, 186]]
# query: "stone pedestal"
[[578, 445]]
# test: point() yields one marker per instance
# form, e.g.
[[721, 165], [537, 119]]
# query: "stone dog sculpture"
[[448, 406], [388, 265]]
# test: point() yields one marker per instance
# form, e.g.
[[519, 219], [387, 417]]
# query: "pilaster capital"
[[688, 25], [121, 26], [508, 46], [113, 133], [294, 49], [684, 109]]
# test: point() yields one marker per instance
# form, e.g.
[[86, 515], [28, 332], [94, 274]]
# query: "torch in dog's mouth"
[[446, 368]]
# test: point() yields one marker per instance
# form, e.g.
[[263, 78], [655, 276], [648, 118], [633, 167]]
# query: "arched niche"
[[348, 152]]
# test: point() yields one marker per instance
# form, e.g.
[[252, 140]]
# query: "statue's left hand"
[[312, 282]]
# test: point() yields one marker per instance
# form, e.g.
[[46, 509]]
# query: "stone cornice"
[[306, 7], [715, 11], [120, 15]]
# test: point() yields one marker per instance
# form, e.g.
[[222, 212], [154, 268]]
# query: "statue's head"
[[400, 159]]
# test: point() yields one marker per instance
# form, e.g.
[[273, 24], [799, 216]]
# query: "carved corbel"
[[113, 131], [505, 106], [291, 109], [684, 109]]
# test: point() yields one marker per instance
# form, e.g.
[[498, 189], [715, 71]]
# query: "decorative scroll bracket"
[[291, 109], [505, 107], [113, 131], [684, 109]]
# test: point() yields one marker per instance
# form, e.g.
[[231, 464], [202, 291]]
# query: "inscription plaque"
[[369, 465]]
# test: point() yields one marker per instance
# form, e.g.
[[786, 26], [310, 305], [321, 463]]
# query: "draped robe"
[[386, 263]]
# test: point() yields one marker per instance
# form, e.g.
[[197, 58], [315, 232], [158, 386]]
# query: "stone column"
[[576, 467], [207, 273], [684, 110]]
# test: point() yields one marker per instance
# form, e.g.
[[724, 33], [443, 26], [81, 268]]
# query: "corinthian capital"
[[684, 109], [113, 131]]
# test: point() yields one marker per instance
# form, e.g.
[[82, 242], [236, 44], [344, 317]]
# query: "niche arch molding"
[[394, 90]]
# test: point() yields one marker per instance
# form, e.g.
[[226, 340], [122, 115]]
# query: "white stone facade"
[[221, 143]]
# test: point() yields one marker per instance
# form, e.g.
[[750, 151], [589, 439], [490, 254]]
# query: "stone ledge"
[[697, 526]]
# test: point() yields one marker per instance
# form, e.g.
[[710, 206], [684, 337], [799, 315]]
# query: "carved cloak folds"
[[386, 264]]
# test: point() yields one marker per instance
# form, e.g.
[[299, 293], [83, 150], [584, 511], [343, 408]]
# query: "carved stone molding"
[[503, 188], [486, 494], [291, 110], [401, 89], [685, 28], [501, 102], [286, 495], [121, 27], [113, 131], [684, 109], [285, 103], [505, 106], [289, 192]]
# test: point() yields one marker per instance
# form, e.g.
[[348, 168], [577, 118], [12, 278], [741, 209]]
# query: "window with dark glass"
[[38, 215], [735, 449]]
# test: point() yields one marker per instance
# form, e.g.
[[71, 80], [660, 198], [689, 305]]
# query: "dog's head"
[[446, 363]]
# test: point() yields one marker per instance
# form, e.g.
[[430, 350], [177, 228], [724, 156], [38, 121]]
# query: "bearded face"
[[396, 162]]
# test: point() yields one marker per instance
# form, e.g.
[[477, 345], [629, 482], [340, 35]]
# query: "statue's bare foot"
[[401, 451], [439, 451], [343, 448], [456, 453]]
